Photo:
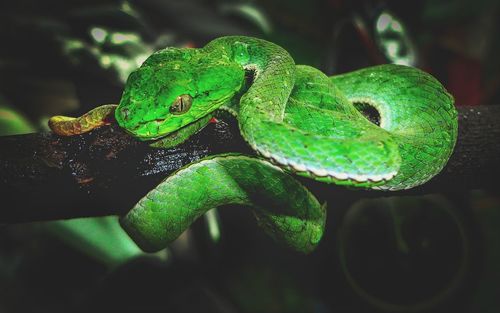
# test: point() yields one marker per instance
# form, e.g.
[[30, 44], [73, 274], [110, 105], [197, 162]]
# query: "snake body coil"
[[293, 116]]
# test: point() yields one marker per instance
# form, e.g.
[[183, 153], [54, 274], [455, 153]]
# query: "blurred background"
[[430, 253]]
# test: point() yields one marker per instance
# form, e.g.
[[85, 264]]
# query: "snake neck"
[[271, 69], [272, 73]]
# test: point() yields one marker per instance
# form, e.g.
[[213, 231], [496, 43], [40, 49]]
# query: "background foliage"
[[411, 254]]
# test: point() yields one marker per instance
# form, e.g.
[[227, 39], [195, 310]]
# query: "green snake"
[[298, 121]]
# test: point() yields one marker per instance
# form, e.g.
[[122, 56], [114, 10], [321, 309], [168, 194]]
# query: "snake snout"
[[125, 114]]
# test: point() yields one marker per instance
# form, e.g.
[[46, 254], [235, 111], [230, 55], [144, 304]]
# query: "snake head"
[[175, 87]]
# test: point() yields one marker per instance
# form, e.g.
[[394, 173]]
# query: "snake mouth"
[[150, 130], [170, 124]]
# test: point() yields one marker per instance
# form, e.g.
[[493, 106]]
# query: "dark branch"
[[106, 172]]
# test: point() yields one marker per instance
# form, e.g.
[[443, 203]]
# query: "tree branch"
[[105, 172]]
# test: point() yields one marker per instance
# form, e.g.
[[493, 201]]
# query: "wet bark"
[[105, 172]]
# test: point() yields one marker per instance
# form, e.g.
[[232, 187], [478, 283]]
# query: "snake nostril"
[[369, 111], [125, 113]]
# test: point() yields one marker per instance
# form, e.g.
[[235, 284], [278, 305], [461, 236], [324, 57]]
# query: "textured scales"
[[283, 207], [293, 116]]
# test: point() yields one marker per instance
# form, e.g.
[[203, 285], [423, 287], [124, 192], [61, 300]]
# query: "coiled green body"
[[283, 207], [294, 117]]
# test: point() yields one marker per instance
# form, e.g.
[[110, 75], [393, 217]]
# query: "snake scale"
[[386, 127]]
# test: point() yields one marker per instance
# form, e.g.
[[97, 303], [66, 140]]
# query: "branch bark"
[[105, 172]]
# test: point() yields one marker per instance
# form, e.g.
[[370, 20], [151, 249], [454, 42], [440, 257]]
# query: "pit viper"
[[387, 127]]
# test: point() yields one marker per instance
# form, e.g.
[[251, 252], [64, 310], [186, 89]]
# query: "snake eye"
[[181, 104]]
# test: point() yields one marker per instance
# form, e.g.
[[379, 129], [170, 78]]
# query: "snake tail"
[[284, 208], [69, 126]]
